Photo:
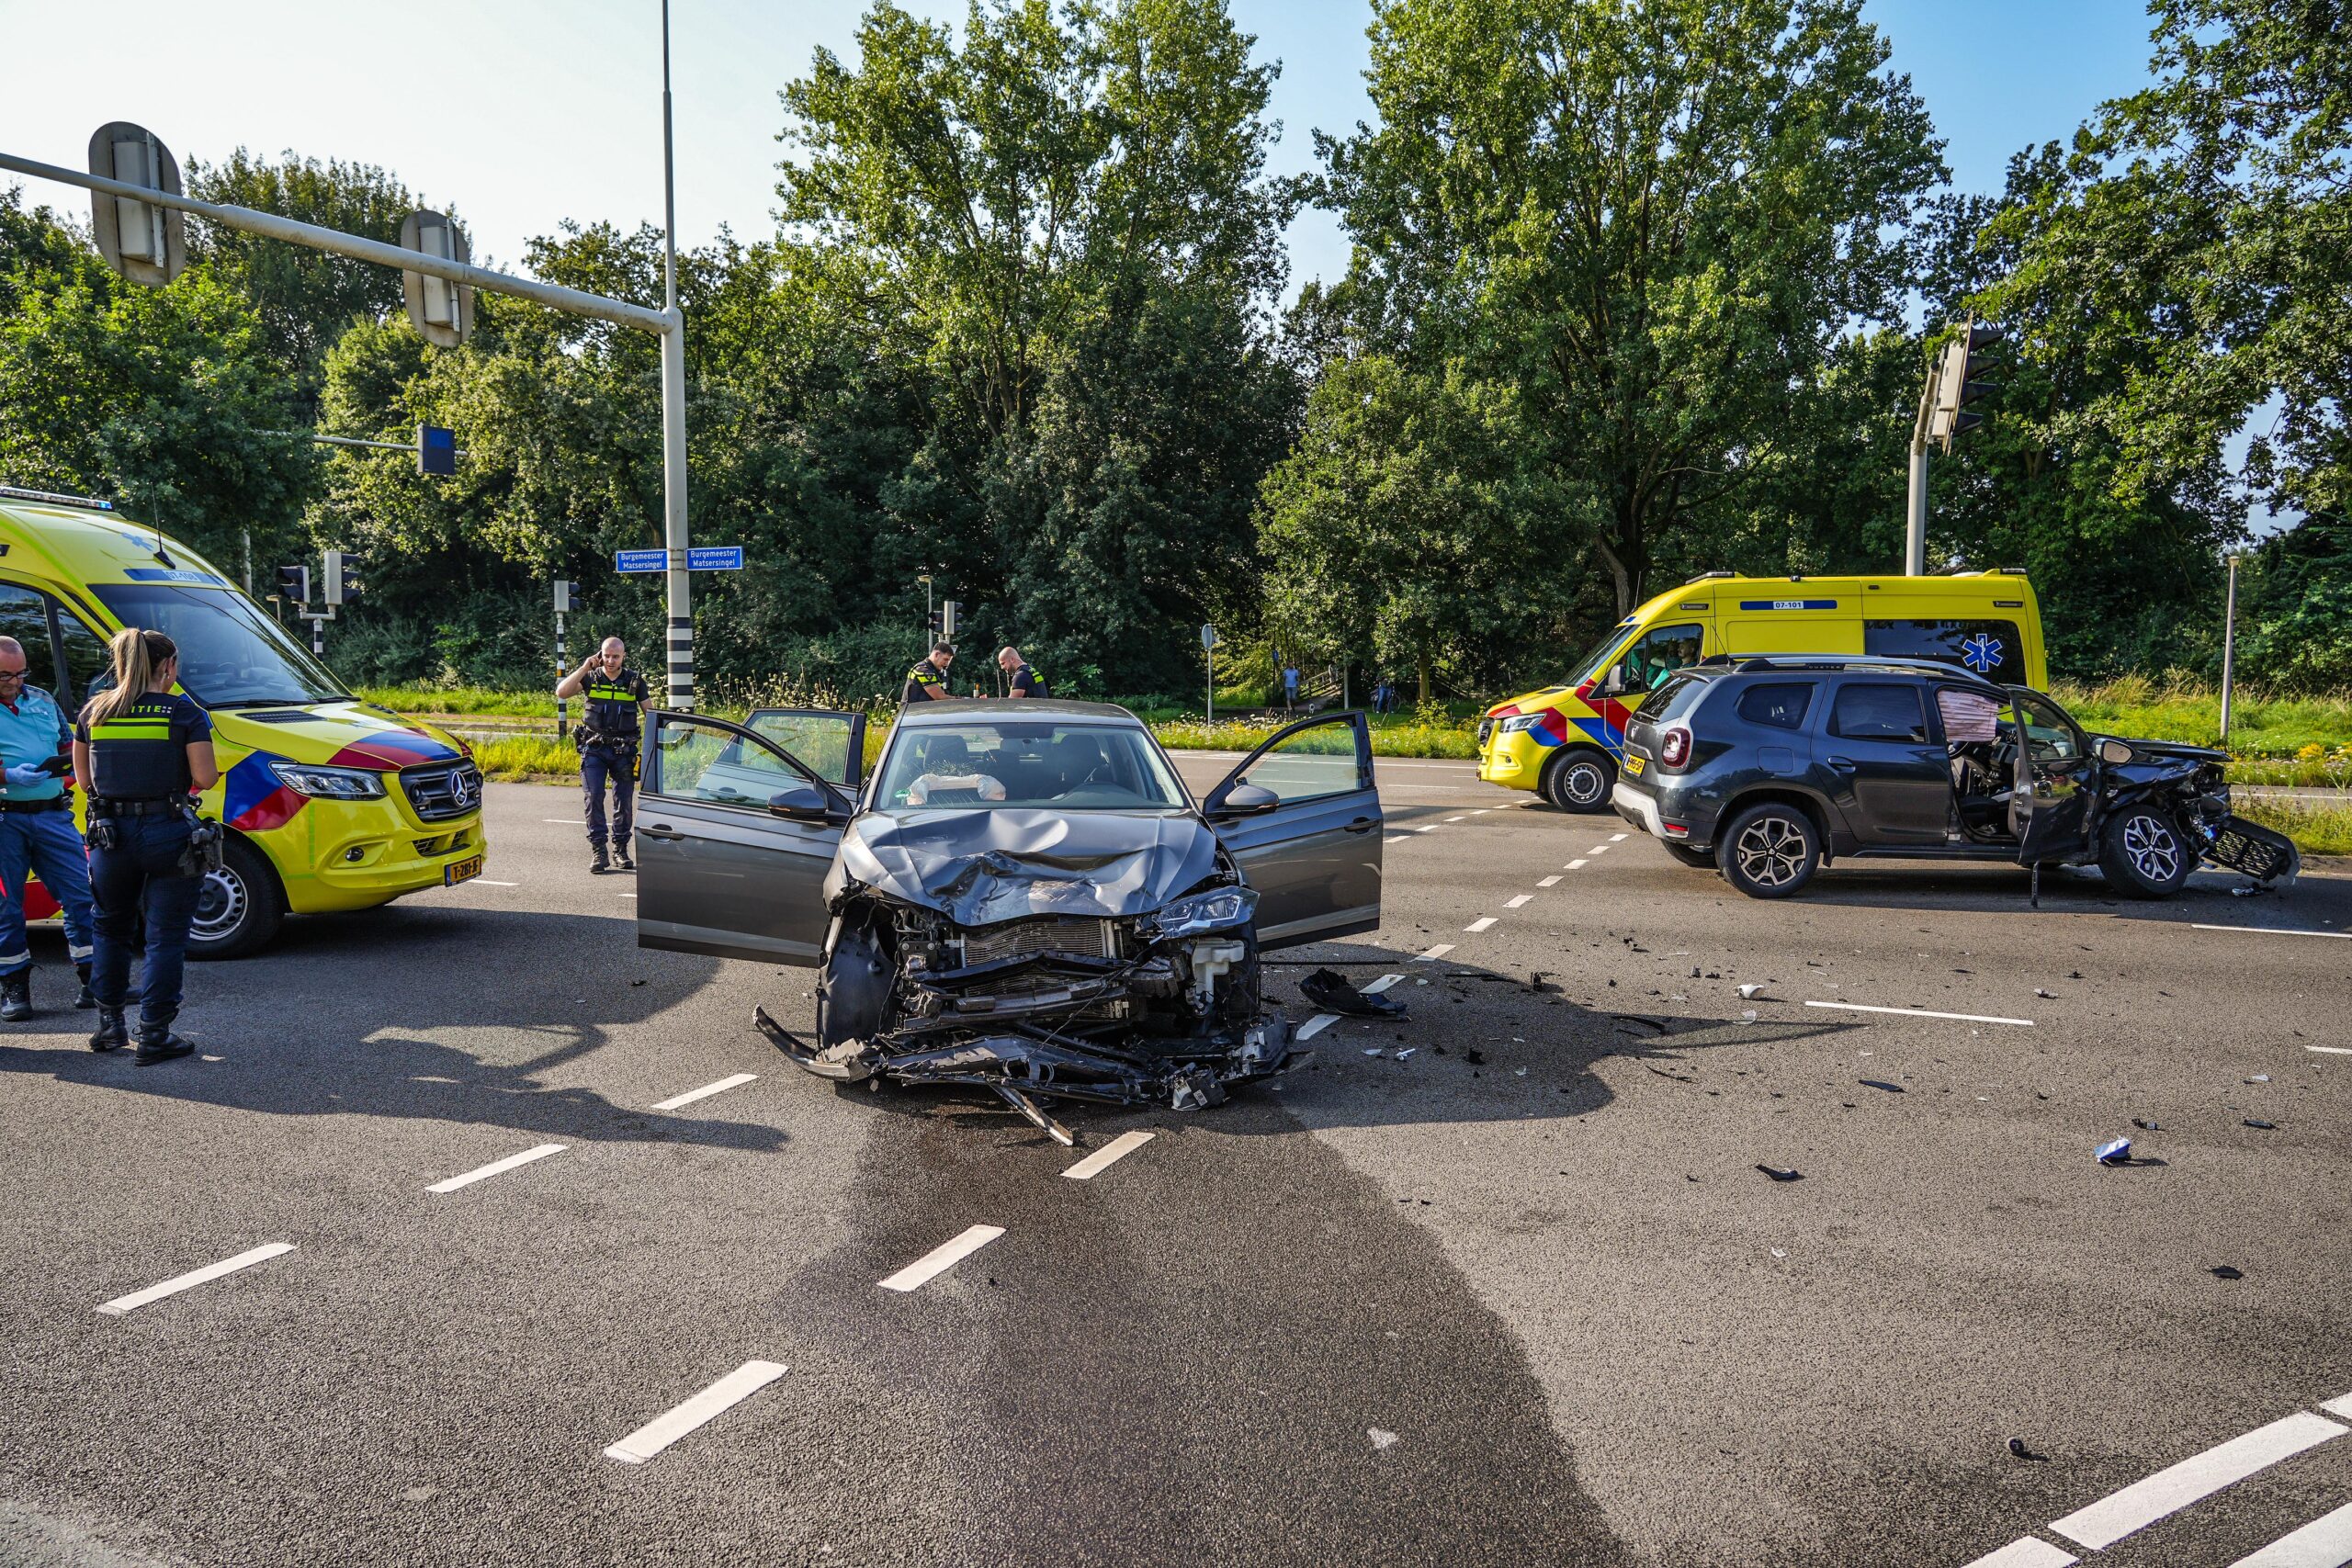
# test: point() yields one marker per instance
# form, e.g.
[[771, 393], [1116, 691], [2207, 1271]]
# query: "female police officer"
[[139, 752]]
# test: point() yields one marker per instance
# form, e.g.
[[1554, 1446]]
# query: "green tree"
[[1652, 221]]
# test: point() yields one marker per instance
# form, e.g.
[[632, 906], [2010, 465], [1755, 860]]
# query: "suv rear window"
[[1781, 705], [1878, 710], [1678, 696]]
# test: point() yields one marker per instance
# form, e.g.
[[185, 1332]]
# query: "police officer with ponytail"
[[139, 752]]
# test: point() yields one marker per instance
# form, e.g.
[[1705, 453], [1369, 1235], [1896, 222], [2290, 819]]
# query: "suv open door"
[[737, 833], [2057, 780], [1301, 818]]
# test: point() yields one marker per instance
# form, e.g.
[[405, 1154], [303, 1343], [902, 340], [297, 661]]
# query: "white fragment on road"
[[1551, 881], [1407, 1051], [1573, 864], [941, 1258], [1434, 953], [1616, 838], [716, 1400], [1923, 1012], [1750, 992], [1107, 1157], [2168, 1491], [2027, 1551], [1371, 1051], [1380, 1439], [1481, 923], [188, 1281], [706, 1091], [1316, 1025], [2331, 1050], [1516, 902], [2325, 1542], [496, 1167], [1381, 984], [2272, 930]]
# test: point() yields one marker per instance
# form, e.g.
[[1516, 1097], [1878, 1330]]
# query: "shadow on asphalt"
[[402, 1012]]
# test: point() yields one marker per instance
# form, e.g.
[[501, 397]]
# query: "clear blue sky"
[[525, 112]]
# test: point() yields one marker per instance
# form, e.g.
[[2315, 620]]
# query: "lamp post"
[[2229, 647]]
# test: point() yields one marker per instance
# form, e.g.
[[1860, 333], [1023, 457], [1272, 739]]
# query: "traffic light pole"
[[1915, 532], [669, 324]]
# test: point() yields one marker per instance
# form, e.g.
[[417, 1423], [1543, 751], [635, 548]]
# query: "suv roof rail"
[[50, 498], [1858, 660]]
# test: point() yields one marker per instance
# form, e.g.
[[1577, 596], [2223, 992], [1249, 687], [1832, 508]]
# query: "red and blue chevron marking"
[[393, 749], [253, 801]]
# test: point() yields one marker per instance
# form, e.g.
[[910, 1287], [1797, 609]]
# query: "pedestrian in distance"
[[927, 680], [37, 832], [1020, 680], [608, 736], [141, 751], [1290, 687]]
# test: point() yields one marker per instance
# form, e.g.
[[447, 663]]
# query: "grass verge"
[[2318, 827]]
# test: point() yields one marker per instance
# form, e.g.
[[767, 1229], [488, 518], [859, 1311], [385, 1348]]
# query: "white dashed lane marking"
[[716, 1400], [1316, 1025], [1515, 902], [1381, 984], [1429, 829], [1551, 881], [1107, 1157], [2168, 1491], [705, 1092], [1923, 1012], [2331, 1050], [188, 1281], [1573, 866], [1464, 818], [1598, 850], [2028, 1552], [2271, 930], [1434, 953], [563, 821], [2325, 1542], [496, 1167], [1481, 923], [941, 1258], [486, 882], [1616, 838]]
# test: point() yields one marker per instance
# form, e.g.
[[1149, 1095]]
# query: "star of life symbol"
[[1981, 653]]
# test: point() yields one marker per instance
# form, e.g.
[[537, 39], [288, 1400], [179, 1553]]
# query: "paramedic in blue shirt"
[[37, 831]]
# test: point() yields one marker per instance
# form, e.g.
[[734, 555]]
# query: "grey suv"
[[1772, 767]]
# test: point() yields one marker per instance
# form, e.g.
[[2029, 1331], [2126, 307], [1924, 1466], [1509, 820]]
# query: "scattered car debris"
[[1407, 1052], [1371, 1051], [2223, 1271], [2045, 995], [2118, 1151], [2145, 1126], [1750, 992], [2258, 1123], [1880, 1083], [2260, 1078], [1661, 1072], [1475, 1059], [637, 982], [1380, 1439], [1776, 1173], [2016, 1447], [1331, 991]]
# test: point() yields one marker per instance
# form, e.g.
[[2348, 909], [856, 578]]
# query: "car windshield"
[[231, 654], [1070, 766]]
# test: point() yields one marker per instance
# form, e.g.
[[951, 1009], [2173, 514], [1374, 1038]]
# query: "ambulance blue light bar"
[[50, 498]]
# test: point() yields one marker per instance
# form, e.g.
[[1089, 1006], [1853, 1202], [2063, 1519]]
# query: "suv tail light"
[[1674, 747]]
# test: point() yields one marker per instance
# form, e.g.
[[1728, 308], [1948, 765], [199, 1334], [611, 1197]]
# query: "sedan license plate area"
[[459, 871], [1635, 764]]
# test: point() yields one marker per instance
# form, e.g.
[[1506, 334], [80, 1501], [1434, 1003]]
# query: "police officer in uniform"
[[140, 751], [927, 682], [1021, 681], [37, 832], [608, 740]]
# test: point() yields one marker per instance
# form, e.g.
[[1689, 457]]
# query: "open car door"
[[1302, 819], [736, 833], [2056, 782]]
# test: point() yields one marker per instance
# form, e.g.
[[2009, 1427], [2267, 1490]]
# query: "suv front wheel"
[[2144, 854], [1769, 850], [1579, 779]]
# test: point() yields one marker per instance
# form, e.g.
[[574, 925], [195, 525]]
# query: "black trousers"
[[616, 766]]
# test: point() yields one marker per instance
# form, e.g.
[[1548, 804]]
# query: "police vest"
[[612, 701], [926, 675], [141, 751]]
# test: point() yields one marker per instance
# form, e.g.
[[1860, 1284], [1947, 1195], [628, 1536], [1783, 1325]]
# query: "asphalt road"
[[1521, 1296]]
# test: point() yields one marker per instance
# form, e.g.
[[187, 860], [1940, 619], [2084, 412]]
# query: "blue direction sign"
[[640, 560], [715, 558]]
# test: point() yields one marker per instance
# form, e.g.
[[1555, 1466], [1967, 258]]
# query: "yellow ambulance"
[[1565, 740], [329, 803]]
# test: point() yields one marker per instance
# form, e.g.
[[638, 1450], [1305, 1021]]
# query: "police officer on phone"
[[927, 680], [140, 751], [37, 832], [609, 739], [1020, 680]]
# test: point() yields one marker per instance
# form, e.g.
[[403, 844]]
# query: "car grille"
[[1485, 728], [1053, 934], [442, 790]]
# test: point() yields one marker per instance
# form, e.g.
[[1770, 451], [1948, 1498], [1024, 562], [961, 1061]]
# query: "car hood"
[[979, 867], [345, 734], [2168, 750]]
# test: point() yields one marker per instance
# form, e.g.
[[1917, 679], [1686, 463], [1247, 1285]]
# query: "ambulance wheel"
[[239, 907], [1578, 780]]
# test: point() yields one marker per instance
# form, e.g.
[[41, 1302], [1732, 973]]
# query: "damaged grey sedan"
[[1022, 896]]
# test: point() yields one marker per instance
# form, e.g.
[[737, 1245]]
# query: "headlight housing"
[[1219, 908], [320, 782], [1520, 722]]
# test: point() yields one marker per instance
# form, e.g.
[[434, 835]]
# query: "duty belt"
[[150, 806], [54, 803]]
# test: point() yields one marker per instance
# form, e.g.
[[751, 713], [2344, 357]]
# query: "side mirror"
[[801, 803], [2113, 751], [1246, 799]]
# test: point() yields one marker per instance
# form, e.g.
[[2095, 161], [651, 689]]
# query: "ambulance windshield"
[[231, 654]]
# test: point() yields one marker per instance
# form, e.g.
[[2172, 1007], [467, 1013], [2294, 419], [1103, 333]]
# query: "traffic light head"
[[294, 583], [340, 579], [1961, 379]]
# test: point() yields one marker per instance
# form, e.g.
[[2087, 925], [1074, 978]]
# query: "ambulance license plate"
[[1635, 764], [459, 871]]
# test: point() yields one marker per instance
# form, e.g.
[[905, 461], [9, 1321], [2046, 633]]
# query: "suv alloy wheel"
[[2144, 854], [1769, 850]]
